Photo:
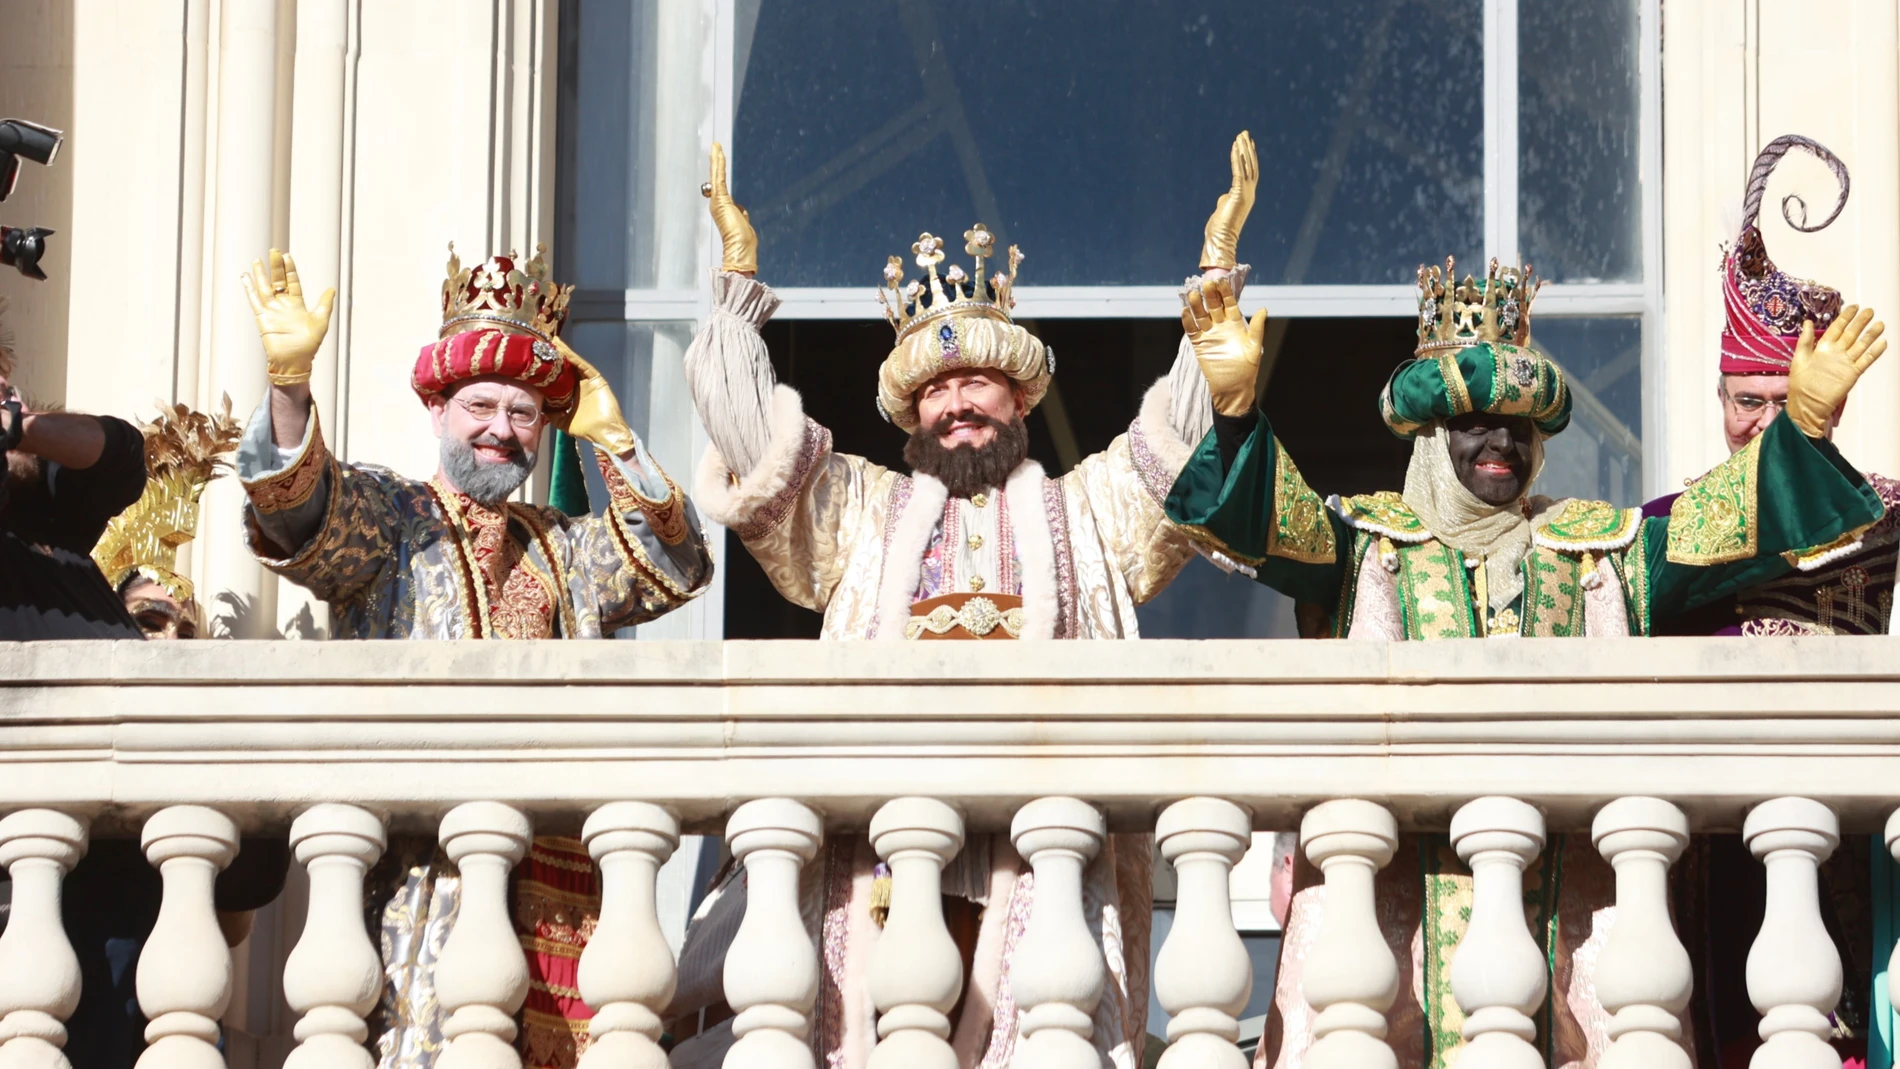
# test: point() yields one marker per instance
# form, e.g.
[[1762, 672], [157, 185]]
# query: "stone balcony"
[[779, 743]]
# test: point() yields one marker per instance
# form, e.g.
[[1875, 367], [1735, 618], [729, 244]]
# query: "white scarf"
[[1499, 535]]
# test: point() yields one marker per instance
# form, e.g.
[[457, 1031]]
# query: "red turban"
[[1766, 306], [489, 351]]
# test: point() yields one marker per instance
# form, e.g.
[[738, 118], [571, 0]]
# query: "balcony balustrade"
[[631, 745]]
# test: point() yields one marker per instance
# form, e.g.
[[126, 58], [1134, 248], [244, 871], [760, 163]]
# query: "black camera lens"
[[21, 248]]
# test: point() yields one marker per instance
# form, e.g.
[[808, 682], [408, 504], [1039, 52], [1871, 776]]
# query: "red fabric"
[[488, 351], [1750, 346]]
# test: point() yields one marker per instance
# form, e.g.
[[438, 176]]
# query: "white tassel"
[[1591, 577], [1388, 556]]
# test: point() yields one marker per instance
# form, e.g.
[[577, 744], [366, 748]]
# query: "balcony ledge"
[[262, 729]]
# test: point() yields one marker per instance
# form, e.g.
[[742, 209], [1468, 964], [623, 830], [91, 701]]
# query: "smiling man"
[[453, 557]]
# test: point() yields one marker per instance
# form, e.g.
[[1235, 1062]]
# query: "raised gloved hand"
[[290, 330], [1822, 372], [739, 243], [596, 414], [1222, 240], [1225, 344]]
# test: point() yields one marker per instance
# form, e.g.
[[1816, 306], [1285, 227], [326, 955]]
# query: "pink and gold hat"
[[1765, 305]]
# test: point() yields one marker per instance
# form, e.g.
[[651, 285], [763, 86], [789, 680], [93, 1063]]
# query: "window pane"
[[1096, 135], [1600, 455], [1579, 188]]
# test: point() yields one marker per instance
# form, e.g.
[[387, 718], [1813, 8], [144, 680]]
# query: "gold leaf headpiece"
[[904, 302], [1455, 315], [497, 293], [184, 450]]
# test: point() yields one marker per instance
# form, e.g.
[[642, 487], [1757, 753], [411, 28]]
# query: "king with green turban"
[[1465, 549]]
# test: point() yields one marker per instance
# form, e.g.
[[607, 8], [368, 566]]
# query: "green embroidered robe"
[[1782, 498]]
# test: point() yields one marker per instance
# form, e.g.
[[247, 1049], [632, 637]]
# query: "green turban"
[[1497, 377]]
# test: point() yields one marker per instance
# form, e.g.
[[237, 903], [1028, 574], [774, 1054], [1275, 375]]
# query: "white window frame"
[[1642, 299]]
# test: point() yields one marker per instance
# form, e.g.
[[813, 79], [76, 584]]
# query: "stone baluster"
[[481, 977], [1351, 976], [1059, 972], [916, 973], [1498, 974], [1893, 962], [771, 974], [1203, 975], [39, 973], [184, 974], [1643, 975], [334, 975], [1794, 972], [627, 973]]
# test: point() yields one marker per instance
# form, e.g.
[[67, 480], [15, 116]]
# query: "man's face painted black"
[[1491, 454]]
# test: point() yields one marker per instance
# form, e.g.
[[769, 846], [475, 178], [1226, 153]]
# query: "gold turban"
[[956, 342]]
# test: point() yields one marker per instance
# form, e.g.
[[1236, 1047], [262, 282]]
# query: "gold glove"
[[739, 242], [1821, 373], [291, 330], [1219, 248], [1225, 344], [595, 415]]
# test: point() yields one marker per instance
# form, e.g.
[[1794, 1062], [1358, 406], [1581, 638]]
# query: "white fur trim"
[[735, 504], [1816, 563], [904, 557], [1035, 548], [1158, 430]]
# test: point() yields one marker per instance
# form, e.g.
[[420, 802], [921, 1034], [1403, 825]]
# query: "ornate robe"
[[864, 544], [397, 558], [1592, 570]]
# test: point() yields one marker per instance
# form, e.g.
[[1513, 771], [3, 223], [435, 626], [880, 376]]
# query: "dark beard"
[[964, 470], [489, 482]]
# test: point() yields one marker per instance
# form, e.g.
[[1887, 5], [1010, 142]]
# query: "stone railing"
[[631, 744]]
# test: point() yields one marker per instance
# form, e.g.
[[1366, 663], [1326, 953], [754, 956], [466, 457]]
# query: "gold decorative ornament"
[[1455, 315], [184, 450], [978, 616], [514, 300], [904, 303], [1221, 238]]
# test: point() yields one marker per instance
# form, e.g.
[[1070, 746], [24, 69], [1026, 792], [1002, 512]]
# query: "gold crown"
[[499, 294], [1454, 315], [184, 450], [904, 301]]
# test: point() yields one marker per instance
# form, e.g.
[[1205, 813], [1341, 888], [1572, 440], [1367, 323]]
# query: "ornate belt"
[[966, 616]]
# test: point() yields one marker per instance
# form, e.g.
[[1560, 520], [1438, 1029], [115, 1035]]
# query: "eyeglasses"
[[1750, 405], [483, 410]]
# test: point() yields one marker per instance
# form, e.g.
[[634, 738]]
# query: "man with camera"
[[67, 475]]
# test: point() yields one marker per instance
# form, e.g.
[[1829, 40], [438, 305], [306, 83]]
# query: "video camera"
[[21, 247]]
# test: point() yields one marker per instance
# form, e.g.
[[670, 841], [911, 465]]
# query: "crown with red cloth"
[[1765, 305], [500, 319]]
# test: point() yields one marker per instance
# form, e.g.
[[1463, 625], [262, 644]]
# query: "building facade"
[[1604, 143]]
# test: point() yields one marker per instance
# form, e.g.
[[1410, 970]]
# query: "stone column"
[[1498, 974], [39, 973], [245, 172], [481, 978], [334, 975], [1643, 974], [184, 975], [771, 973], [1059, 972], [1203, 974], [916, 973], [627, 974], [1794, 972], [1351, 977]]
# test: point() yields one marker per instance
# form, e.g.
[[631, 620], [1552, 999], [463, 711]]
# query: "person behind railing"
[[1848, 591], [66, 476], [976, 542], [1467, 551], [453, 557]]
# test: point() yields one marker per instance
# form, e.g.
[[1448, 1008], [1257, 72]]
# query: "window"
[[1391, 133]]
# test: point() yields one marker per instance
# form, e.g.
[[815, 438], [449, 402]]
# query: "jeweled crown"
[[1454, 315], [904, 303], [497, 293]]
